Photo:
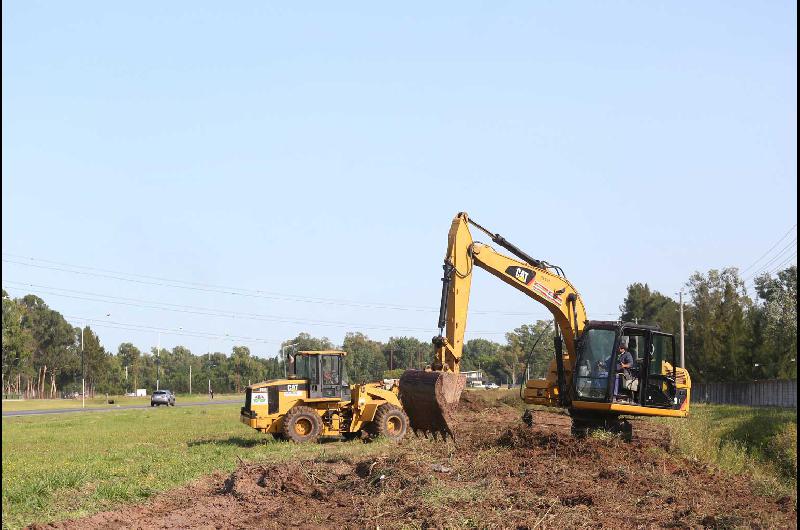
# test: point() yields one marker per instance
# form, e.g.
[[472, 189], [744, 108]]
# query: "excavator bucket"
[[429, 398]]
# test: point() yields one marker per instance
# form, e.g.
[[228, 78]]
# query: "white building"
[[474, 378]]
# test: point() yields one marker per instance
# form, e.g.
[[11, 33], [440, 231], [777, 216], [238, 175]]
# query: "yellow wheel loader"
[[316, 400], [602, 370]]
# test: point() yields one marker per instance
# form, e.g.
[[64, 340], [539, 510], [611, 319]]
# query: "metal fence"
[[768, 393]]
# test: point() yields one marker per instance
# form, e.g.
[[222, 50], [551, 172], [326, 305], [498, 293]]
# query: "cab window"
[[662, 361], [594, 359], [330, 370], [301, 366], [660, 390]]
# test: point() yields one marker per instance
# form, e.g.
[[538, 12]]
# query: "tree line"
[[729, 336]]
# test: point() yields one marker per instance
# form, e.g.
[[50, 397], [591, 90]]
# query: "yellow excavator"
[[602, 372]]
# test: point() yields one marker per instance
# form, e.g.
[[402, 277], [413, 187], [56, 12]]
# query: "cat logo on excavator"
[[522, 274]]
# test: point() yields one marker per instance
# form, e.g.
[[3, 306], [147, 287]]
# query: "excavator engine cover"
[[429, 398]]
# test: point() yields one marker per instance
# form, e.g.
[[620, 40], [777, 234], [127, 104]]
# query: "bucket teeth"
[[429, 399]]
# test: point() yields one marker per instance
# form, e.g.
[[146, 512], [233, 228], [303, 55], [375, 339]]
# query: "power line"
[[271, 296], [784, 263], [770, 249], [767, 265], [167, 331], [233, 291], [178, 308]]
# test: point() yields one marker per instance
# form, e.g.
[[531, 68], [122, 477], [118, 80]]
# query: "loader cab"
[[325, 371], [650, 382]]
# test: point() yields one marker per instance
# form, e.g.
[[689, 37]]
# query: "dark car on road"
[[162, 397]]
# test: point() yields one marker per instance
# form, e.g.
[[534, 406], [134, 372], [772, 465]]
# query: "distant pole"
[[83, 375], [680, 294], [190, 379], [158, 358], [391, 358]]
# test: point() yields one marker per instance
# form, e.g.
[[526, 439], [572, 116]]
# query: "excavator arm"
[[530, 276], [430, 396]]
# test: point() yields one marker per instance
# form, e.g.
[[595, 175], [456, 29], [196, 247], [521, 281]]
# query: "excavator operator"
[[625, 367], [624, 358]]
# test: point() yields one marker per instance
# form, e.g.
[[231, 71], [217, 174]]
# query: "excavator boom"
[[429, 396], [584, 376]]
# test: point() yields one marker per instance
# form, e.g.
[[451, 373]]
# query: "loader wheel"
[[302, 424], [390, 421]]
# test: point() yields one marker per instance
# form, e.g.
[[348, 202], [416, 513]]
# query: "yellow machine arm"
[[430, 396], [537, 279]]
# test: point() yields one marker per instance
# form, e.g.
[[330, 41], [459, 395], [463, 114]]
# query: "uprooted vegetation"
[[498, 473]]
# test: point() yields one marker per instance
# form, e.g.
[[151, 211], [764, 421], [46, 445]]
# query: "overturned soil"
[[498, 473]]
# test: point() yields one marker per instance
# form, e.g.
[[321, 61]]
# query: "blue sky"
[[322, 150]]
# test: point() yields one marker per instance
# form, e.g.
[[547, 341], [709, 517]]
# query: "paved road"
[[112, 408]]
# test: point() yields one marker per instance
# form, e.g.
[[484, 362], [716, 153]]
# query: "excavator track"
[[429, 398]]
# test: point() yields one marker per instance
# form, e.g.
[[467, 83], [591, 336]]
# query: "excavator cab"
[[653, 381]]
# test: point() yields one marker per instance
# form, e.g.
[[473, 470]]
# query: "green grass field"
[[760, 442], [100, 402], [64, 466]]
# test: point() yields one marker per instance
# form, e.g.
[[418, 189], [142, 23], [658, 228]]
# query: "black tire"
[[302, 425], [390, 421], [152, 404]]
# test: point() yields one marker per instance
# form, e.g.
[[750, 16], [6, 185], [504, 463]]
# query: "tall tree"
[[54, 344], [97, 364], [534, 342], [365, 361], [650, 307], [406, 352], [717, 334], [776, 320], [18, 344], [481, 354], [131, 357]]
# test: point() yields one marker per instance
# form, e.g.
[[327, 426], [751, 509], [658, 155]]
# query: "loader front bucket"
[[429, 398]]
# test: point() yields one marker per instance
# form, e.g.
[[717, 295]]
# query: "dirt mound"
[[471, 402], [500, 474]]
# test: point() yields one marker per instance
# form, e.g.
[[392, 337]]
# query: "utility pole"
[[158, 358], [391, 358], [680, 295], [190, 379], [83, 375]]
